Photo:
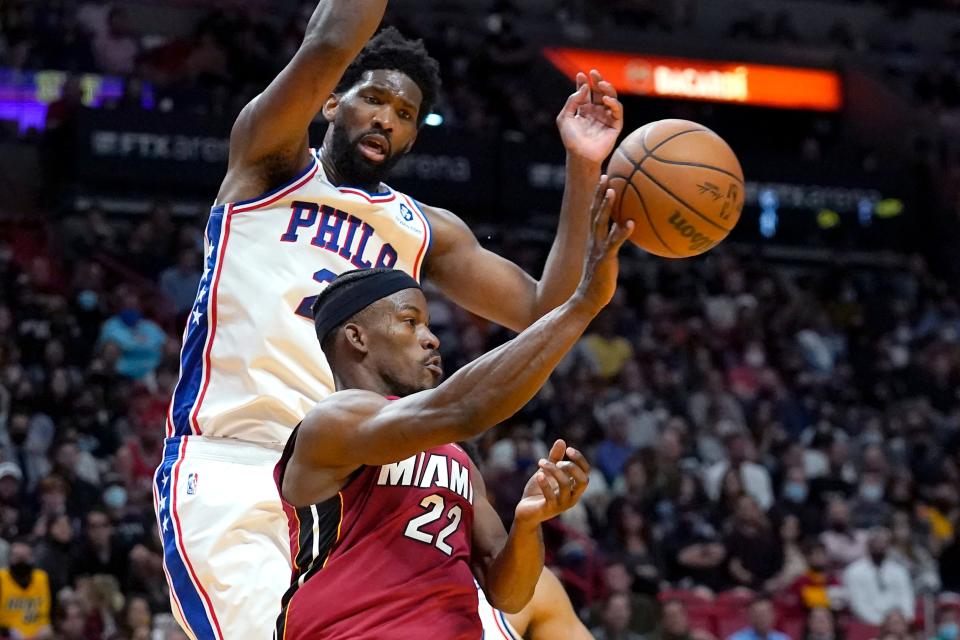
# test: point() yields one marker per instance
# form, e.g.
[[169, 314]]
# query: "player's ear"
[[330, 107], [355, 337]]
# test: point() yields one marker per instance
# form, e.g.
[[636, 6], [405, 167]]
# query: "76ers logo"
[[192, 484]]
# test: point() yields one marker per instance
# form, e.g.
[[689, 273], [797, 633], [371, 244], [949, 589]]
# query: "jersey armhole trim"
[[275, 194]]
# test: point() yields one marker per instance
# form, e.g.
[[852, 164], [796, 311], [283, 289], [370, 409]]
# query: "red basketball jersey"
[[387, 557]]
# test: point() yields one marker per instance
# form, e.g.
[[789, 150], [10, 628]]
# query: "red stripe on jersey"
[[299, 183], [212, 332], [179, 539]]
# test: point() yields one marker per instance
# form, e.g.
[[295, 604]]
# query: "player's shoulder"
[[348, 401]]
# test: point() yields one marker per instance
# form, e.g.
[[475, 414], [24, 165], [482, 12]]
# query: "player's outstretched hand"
[[591, 119], [599, 279], [555, 487]]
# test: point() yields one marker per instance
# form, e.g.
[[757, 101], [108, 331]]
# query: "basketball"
[[680, 183]]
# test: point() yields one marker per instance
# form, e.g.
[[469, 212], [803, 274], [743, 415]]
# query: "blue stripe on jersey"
[[184, 589], [195, 339]]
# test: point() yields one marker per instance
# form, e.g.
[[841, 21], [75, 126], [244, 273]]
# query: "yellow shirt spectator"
[[25, 609]]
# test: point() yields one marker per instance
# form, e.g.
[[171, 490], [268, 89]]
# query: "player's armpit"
[[478, 279]]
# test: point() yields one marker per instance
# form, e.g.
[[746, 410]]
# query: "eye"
[[371, 100], [410, 321], [406, 115]]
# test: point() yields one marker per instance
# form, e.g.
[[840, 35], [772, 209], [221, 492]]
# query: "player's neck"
[[360, 378]]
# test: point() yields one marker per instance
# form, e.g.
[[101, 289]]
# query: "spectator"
[[812, 589], [615, 623], [877, 585], [675, 624], [630, 540], [795, 500], [619, 579], [72, 623], [607, 350], [762, 619], [695, 554], [820, 625], [910, 553], [140, 340], [99, 553], [180, 281], [843, 543], [136, 620], [55, 552], [613, 451], [794, 559], [948, 623], [116, 48], [755, 478], [894, 627], [25, 598], [754, 552], [868, 509]]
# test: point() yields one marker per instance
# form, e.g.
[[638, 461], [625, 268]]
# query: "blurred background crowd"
[[775, 443]]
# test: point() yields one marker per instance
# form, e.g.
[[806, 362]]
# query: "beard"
[[353, 167]]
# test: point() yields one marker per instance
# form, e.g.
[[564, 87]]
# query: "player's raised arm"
[[356, 428], [268, 144], [589, 124]]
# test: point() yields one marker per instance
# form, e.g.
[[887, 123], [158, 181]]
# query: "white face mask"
[[755, 358], [115, 497]]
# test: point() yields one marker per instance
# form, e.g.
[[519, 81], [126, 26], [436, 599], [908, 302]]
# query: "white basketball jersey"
[[251, 365], [495, 623]]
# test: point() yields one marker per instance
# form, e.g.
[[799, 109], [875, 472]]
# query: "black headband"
[[339, 304]]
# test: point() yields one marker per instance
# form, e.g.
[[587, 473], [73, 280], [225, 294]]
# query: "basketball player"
[[387, 527], [549, 615], [286, 222]]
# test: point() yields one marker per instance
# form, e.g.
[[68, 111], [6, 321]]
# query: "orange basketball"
[[680, 183]]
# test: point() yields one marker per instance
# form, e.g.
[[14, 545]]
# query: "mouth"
[[435, 366], [374, 147]]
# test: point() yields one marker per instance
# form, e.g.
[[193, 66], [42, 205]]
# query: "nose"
[[429, 340], [383, 118]]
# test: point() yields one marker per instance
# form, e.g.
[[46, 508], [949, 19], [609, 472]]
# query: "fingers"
[[602, 221], [578, 98], [618, 235], [549, 491], [598, 197], [563, 485], [557, 451], [579, 460]]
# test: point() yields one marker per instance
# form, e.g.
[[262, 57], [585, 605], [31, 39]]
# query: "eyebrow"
[[379, 88]]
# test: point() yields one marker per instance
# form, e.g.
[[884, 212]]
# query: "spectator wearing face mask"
[[877, 585], [868, 508], [25, 597], [948, 624], [795, 500], [140, 340]]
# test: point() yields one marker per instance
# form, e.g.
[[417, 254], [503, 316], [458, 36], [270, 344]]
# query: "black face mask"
[[878, 558], [18, 437], [839, 527], [21, 572]]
